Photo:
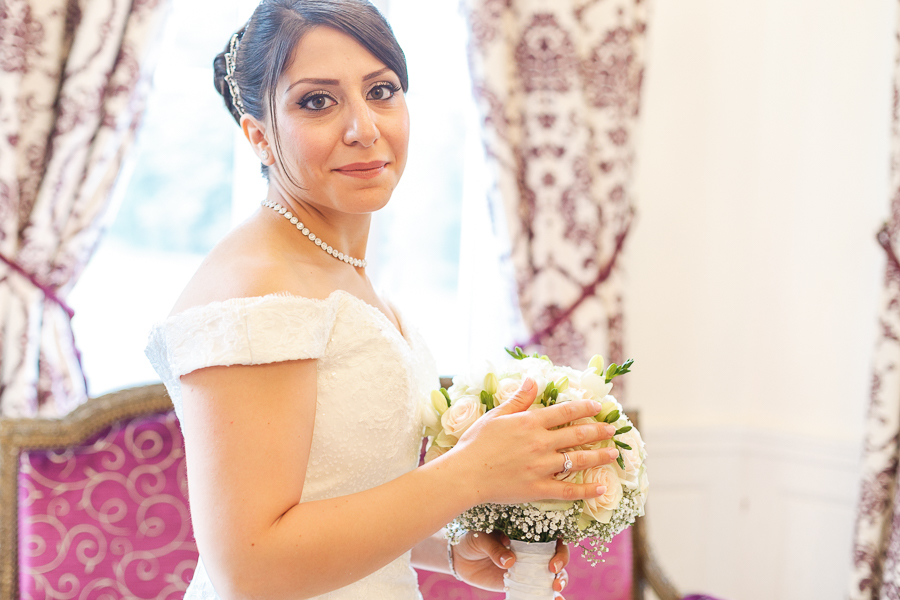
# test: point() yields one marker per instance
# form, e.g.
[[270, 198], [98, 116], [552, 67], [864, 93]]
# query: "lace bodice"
[[370, 380]]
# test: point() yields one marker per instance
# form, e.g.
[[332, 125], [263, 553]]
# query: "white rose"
[[633, 459], [601, 508], [506, 389], [461, 415]]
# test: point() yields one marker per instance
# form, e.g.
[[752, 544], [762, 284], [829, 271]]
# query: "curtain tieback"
[[586, 292], [47, 290]]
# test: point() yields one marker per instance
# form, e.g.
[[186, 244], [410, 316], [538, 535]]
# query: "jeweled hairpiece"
[[230, 59]]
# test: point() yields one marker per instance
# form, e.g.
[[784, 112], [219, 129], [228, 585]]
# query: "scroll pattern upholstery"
[[609, 580], [109, 518]]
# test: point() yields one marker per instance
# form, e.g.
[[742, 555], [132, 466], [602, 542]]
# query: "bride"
[[296, 385]]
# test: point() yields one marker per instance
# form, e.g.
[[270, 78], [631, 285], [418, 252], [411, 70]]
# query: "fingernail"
[[557, 565], [527, 385], [562, 584], [601, 489], [613, 453], [505, 559], [609, 429]]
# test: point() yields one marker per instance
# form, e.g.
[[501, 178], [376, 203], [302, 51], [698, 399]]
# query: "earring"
[[265, 155]]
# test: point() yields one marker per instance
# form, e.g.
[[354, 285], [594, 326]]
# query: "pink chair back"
[[610, 580], [108, 518]]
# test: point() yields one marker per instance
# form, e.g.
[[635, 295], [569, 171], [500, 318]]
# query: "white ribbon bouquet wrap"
[[534, 528]]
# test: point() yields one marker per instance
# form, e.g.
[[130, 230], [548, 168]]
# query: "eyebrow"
[[316, 81]]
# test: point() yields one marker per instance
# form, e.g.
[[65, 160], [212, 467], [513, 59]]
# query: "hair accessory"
[[356, 262], [450, 560], [265, 154], [567, 466], [230, 59]]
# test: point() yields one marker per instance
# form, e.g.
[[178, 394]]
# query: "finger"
[[584, 459], [566, 412], [560, 559], [499, 554], [560, 582], [566, 490], [521, 400], [578, 435]]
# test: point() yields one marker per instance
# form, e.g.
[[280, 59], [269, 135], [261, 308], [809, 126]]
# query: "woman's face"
[[343, 125]]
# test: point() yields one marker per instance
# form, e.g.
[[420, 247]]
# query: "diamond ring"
[[566, 465]]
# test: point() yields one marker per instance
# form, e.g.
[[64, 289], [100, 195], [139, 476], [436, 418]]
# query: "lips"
[[365, 170]]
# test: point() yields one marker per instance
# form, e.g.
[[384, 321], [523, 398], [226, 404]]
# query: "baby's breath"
[[527, 523]]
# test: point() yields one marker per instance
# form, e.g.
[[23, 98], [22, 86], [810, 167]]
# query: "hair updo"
[[268, 40]]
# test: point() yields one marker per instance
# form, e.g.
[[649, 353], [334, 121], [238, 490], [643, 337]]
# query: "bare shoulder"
[[253, 260]]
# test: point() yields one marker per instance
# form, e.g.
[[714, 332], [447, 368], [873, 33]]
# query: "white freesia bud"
[[598, 363], [606, 407], [444, 441], [438, 402], [596, 384], [490, 383], [431, 419]]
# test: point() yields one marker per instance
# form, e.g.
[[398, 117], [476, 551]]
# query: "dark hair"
[[268, 40]]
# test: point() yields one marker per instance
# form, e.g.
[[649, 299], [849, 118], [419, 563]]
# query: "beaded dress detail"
[[370, 380]]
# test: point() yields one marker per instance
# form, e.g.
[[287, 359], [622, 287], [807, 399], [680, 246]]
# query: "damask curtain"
[[876, 550], [558, 86], [74, 75]]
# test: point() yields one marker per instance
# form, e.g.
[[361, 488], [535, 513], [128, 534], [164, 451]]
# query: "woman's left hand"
[[482, 559]]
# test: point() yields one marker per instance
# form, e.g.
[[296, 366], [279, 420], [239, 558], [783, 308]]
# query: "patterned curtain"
[[876, 550], [558, 86], [74, 75]]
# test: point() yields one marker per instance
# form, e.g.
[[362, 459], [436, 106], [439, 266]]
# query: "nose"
[[361, 128]]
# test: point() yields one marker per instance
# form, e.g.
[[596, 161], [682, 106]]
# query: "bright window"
[[194, 177]]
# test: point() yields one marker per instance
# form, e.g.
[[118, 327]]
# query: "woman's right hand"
[[513, 454]]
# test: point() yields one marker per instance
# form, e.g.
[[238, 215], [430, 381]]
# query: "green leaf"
[[621, 462], [554, 394], [612, 417], [625, 429], [622, 445], [518, 353], [446, 396]]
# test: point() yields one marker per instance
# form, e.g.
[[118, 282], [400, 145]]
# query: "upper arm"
[[248, 431]]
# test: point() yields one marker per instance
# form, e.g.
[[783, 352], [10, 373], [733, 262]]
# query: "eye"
[[317, 101], [383, 91]]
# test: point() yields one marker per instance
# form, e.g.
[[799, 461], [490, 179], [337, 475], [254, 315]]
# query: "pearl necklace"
[[356, 262]]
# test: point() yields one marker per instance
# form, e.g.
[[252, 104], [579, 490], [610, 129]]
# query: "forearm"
[[316, 547]]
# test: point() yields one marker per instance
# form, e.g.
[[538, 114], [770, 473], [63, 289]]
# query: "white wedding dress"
[[370, 377]]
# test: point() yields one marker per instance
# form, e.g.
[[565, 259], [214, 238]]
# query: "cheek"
[[306, 148], [398, 136]]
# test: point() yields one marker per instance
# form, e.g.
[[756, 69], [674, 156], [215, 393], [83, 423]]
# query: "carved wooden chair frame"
[[99, 413]]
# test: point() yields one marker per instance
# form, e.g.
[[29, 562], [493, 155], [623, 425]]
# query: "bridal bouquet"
[[596, 520]]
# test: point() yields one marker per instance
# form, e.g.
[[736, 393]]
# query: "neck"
[[347, 233]]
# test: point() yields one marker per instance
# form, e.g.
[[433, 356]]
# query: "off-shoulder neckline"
[[242, 301]]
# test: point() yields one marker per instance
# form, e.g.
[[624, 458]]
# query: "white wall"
[[753, 279]]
